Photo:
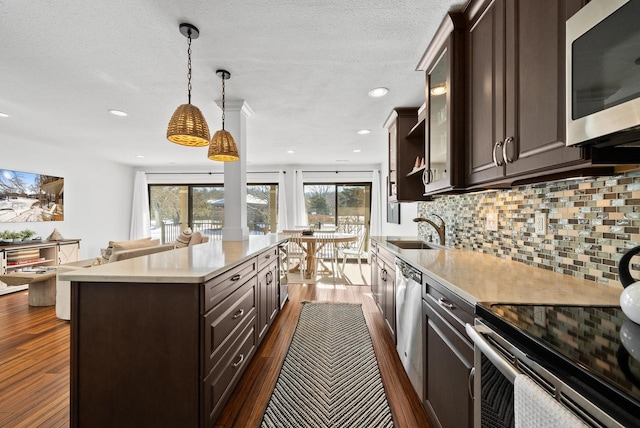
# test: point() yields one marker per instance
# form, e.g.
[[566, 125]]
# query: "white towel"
[[535, 408]]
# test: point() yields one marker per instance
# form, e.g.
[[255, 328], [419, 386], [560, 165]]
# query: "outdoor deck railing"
[[169, 232]]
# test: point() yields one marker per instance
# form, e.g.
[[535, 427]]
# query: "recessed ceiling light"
[[378, 92], [118, 113], [364, 132], [290, 151], [140, 156], [4, 114], [356, 150]]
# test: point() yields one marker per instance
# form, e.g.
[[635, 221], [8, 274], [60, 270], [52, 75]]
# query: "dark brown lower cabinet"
[[267, 297], [166, 354], [386, 280], [448, 359]]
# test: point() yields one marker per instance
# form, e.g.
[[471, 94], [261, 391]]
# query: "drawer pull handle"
[[237, 363], [236, 277], [268, 256], [471, 381], [238, 314], [496, 146], [445, 304], [507, 141]]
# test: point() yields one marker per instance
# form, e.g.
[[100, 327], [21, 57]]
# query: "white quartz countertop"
[[478, 277], [195, 264]]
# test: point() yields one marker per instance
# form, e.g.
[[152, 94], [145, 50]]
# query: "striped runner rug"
[[330, 375]]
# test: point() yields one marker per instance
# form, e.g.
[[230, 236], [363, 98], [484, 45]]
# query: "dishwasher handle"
[[505, 367]]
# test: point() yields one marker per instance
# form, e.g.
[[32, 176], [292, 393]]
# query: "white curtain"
[[300, 213], [282, 203], [375, 229], [140, 227]]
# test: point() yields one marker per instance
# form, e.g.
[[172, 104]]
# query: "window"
[[173, 208]]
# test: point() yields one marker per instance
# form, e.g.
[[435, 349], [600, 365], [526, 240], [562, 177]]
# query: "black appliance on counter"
[[580, 348]]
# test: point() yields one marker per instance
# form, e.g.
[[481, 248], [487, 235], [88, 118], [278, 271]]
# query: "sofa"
[[117, 251]]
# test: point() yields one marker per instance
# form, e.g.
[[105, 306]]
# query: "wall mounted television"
[[26, 197]]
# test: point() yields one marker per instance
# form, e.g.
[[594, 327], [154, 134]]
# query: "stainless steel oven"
[[497, 363]]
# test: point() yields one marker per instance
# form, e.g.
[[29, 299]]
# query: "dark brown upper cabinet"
[[444, 95], [515, 53], [405, 130]]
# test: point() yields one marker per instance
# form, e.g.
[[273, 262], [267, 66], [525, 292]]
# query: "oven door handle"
[[505, 367]]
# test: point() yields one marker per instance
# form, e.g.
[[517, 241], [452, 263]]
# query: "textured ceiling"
[[304, 68]]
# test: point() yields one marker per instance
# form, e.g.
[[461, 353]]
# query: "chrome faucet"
[[440, 229]]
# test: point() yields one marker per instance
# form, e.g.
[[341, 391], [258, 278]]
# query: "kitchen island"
[[161, 340]]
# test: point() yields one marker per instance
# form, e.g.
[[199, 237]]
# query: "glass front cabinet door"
[[444, 133]]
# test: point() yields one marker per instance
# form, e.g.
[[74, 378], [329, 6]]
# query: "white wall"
[[408, 211], [98, 194]]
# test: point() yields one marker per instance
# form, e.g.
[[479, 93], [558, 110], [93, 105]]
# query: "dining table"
[[312, 248]]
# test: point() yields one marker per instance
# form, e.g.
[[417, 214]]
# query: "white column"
[[235, 173]]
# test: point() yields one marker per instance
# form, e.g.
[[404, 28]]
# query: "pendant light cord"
[[189, 66], [223, 79]]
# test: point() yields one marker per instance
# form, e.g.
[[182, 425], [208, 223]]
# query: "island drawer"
[[225, 320], [267, 257], [220, 382], [220, 287]]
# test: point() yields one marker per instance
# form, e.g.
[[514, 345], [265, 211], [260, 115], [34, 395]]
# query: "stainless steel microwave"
[[603, 74]]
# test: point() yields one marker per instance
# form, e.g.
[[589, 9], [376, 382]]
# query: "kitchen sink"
[[414, 245]]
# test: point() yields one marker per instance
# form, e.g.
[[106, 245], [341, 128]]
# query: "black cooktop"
[[596, 349]]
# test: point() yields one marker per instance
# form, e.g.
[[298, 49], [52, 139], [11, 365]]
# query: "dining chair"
[[295, 251], [356, 252], [326, 248]]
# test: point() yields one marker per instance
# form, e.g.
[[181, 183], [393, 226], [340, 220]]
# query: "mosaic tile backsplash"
[[590, 224]]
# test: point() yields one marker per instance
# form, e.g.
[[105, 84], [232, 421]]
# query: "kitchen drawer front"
[[388, 257], [219, 384], [223, 322], [449, 332], [220, 287], [267, 257], [451, 307]]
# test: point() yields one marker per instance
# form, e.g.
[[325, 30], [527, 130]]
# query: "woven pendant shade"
[[188, 127], [223, 148]]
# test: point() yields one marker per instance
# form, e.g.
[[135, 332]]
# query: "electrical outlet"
[[540, 316], [541, 223], [492, 222]]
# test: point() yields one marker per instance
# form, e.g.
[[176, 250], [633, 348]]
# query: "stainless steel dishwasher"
[[409, 322]]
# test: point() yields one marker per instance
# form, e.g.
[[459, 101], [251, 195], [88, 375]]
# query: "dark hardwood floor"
[[34, 363]]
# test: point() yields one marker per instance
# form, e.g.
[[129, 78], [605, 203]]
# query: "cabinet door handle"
[[443, 302], [236, 277], [496, 146], [237, 363], [507, 141], [472, 377], [238, 314]]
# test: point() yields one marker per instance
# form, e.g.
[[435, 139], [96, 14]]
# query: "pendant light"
[[187, 125], [223, 148]]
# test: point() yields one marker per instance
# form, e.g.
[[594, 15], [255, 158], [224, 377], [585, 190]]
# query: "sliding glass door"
[[346, 207], [173, 208]]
